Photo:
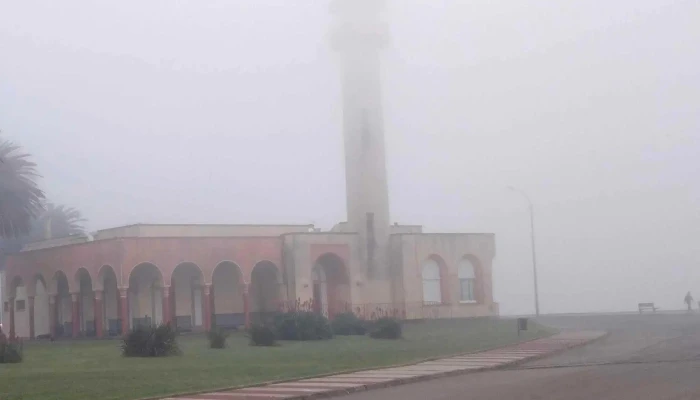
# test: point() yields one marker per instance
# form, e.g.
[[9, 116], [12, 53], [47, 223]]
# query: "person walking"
[[689, 301]]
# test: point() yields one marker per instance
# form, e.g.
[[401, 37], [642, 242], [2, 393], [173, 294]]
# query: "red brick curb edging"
[[421, 378]]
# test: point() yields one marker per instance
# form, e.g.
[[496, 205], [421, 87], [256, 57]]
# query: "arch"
[[225, 264], [267, 264], [149, 270], [83, 280], [106, 272], [433, 273], [145, 295], [86, 302], [64, 305], [227, 293], [108, 283], [81, 276], [265, 287], [331, 284], [189, 268], [31, 285], [41, 315], [59, 283], [39, 278], [15, 282], [186, 299]]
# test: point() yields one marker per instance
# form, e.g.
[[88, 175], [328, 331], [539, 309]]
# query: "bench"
[[646, 306], [183, 323], [229, 320], [114, 327]]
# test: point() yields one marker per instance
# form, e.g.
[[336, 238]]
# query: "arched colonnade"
[[98, 304]]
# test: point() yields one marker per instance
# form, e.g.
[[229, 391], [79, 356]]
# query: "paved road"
[[645, 357]]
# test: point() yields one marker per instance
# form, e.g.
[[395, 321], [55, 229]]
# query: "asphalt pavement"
[[651, 356]]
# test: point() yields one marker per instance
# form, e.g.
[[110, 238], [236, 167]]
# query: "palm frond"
[[61, 220], [20, 197]]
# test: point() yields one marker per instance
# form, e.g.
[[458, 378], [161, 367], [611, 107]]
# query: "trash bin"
[[522, 324]]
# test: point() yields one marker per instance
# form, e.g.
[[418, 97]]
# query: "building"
[[199, 276]]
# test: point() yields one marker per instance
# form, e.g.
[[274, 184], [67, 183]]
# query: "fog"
[[230, 112]]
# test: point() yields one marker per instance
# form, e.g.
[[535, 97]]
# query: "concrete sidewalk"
[[357, 381]]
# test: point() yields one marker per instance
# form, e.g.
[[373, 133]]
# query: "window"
[[20, 305], [431, 283], [467, 280]]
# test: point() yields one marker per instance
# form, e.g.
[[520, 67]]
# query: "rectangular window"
[[7, 306], [20, 305], [431, 291], [466, 288]]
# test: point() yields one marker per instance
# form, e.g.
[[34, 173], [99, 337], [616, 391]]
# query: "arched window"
[[431, 283], [467, 281]]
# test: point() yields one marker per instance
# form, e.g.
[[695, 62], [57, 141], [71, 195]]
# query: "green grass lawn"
[[96, 370]]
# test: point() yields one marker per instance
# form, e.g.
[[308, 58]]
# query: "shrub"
[[385, 328], [302, 325], [347, 323], [217, 338], [11, 352], [285, 326], [151, 341], [262, 335]]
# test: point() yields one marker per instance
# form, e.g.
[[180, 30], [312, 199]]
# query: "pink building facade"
[[196, 277]]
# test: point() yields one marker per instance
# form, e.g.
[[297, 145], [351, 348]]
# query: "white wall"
[[41, 310], [22, 317], [2, 296]]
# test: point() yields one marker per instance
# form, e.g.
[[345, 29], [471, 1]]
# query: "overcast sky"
[[228, 111]]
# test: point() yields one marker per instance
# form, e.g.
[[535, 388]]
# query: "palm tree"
[[20, 197], [57, 221]]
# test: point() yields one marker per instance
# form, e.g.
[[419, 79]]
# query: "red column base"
[[124, 301]]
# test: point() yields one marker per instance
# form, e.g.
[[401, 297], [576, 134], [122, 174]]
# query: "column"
[[53, 315], [124, 308], [166, 305], [206, 291], [282, 296], [246, 305], [12, 317], [99, 316], [76, 314], [30, 306], [117, 299]]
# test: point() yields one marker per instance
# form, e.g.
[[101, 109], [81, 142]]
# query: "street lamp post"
[[532, 238]]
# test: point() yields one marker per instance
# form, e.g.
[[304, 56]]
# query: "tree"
[[20, 197], [56, 221], [52, 222]]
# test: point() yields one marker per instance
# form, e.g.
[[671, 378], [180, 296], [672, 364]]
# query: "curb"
[[423, 378]]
